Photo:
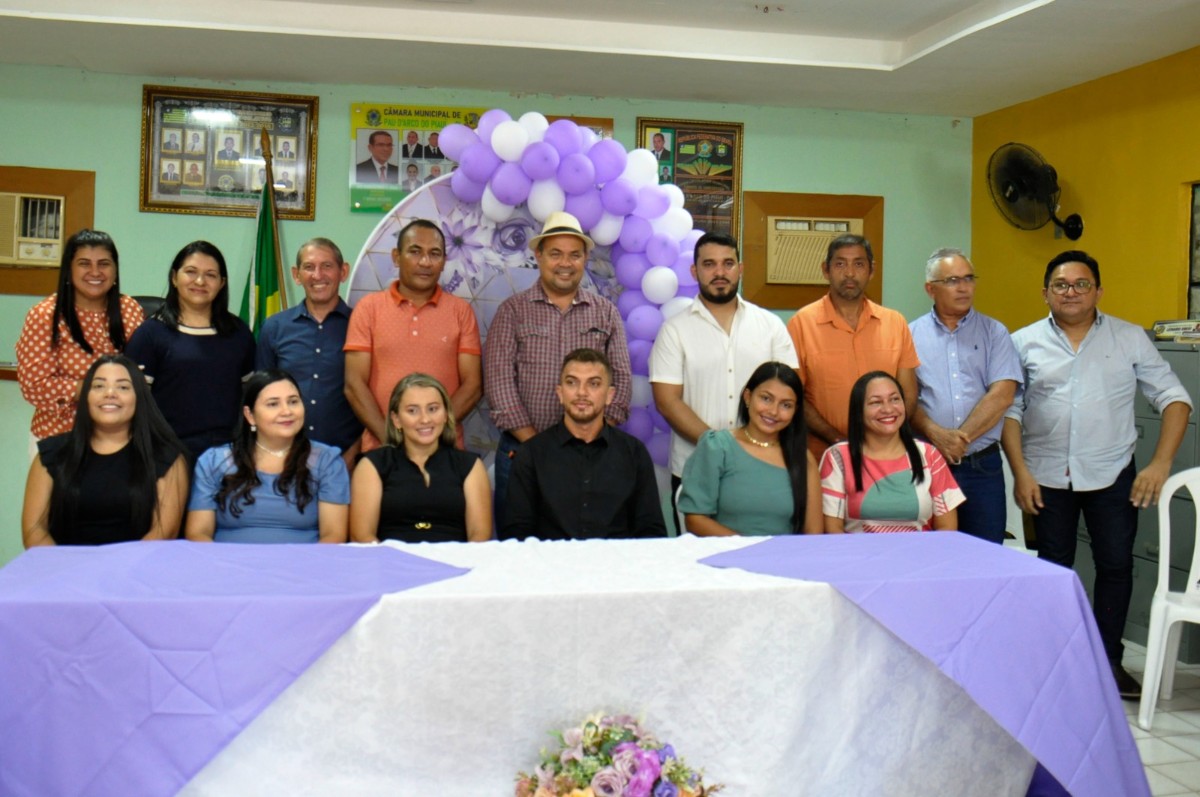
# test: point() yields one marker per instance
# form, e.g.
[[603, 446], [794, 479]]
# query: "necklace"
[[281, 453], [759, 443]]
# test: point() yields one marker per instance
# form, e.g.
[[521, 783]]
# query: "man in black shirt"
[[581, 478]]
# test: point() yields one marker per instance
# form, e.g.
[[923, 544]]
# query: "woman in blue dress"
[[759, 478], [271, 484]]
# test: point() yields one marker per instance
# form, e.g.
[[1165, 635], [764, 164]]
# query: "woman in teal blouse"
[[759, 478]]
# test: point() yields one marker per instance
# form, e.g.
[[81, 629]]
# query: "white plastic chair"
[[1169, 609]]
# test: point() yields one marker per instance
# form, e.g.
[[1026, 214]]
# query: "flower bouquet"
[[611, 756]]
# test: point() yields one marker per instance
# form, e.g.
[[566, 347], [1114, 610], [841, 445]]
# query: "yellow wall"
[[1127, 149]]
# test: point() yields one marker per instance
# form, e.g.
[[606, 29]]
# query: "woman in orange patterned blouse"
[[65, 332]]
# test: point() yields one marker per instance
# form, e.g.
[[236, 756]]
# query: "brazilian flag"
[[264, 289]]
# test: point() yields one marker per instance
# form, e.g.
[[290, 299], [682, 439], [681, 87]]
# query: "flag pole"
[[268, 156]]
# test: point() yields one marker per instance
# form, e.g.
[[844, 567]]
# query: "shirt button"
[[312, 428], [414, 331], [318, 351], [316, 376], [313, 401]]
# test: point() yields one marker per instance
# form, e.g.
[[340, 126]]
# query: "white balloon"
[[493, 208], [588, 136], [641, 168], [660, 284], [509, 140], [675, 193], [546, 197], [675, 223], [642, 394], [607, 230], [673, 307], [535, 125]]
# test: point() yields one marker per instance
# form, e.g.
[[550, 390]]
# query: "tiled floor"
[[1171, 752]]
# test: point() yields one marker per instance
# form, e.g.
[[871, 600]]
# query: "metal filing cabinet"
[[1184, 359]]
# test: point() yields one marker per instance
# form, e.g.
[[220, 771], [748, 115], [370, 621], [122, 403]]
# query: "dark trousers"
[[1112, 525], [675, 482], [506, 449], [981, 478]]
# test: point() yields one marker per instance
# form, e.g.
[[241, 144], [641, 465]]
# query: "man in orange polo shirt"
[[842, 336], [412, 325]]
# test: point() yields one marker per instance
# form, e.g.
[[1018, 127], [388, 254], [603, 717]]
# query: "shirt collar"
[[829, 313], [399, 298], [341, 307], [1099, 322], [961, 322], [563, 436]]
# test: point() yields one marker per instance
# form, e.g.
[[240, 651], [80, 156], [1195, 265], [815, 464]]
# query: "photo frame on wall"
[[704, 159], [202, 151]]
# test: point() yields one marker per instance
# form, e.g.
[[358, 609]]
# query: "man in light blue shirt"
[[1070, 437], [307, 340], [967, 378]]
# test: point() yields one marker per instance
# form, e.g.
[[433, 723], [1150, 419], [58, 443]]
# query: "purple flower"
[[607, 783], [665, 789], [667, 751]]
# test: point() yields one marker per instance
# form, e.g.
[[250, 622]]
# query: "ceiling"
[[952, 57]]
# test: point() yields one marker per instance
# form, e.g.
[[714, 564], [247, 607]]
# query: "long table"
[[773, 682]]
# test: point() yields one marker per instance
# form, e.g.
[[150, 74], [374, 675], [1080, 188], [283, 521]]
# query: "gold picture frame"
[[202, 151], [704, 159]]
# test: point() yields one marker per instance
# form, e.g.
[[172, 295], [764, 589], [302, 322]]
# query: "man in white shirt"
[[703, 356]]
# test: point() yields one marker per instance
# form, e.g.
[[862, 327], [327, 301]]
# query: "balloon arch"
[[512, 174]]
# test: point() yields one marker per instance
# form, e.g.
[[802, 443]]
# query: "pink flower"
[[608, 783]]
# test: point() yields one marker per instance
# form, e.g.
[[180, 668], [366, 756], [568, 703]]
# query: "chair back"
[[1190, 479]]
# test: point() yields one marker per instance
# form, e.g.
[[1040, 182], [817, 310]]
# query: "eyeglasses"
[[1080, 286], [954, 282]]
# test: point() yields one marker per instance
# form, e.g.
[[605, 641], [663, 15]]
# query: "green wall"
[[72, 119]]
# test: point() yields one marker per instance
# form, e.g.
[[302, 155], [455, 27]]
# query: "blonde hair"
[[395, 437]]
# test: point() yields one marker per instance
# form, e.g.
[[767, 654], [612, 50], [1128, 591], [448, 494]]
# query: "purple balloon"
[[619, 196], [466, 189], [455, 139], [685, 259], [539, 161], [652, 202], [510, 185], [630, 269], [576, 173], [690, 291], [684, 273], [661, 250], [659, 447], [587, 138], [630, 300], [609, 158], [615, 252], [586, 207], [689, 240], [564, 136], [635, 234], [640, 423], [639, 356], [479, 162], [644, 322], [488, 122]]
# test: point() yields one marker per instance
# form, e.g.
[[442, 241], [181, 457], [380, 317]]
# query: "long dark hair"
[[793, 439], [64, 301], [294, 482], [150, 436], [857, 431], [222, 320]]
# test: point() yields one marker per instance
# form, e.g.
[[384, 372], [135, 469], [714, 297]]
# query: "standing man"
[[377, 169], [844, 335], [307, 340], [703, 356], [1070, 437], [581, 478], [412, 325], [968, 376], [531, 334]]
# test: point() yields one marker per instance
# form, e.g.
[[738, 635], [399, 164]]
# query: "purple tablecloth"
[[115, 680], [1016, 633]]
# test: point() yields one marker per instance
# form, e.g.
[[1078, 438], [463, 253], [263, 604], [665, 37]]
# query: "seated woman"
[[272, 484], [419, 487], [759, 478], [883, 479], [120, 474]]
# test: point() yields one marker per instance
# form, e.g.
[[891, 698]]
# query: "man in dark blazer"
[[432, 150], [376, 168], [413, 147]]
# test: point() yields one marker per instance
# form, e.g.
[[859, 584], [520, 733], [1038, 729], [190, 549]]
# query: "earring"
[[253, 429]]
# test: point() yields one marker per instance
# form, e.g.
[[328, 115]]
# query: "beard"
[[585, 416], [720, 298]]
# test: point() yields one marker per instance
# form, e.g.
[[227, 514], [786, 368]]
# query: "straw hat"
[[562, 223]]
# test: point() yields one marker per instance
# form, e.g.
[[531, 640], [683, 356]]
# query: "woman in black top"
[[418, 487], [119, 475]]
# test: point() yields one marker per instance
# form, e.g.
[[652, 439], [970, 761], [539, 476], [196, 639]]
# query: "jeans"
[[506, 449], [1112, 525], [981, 478]]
